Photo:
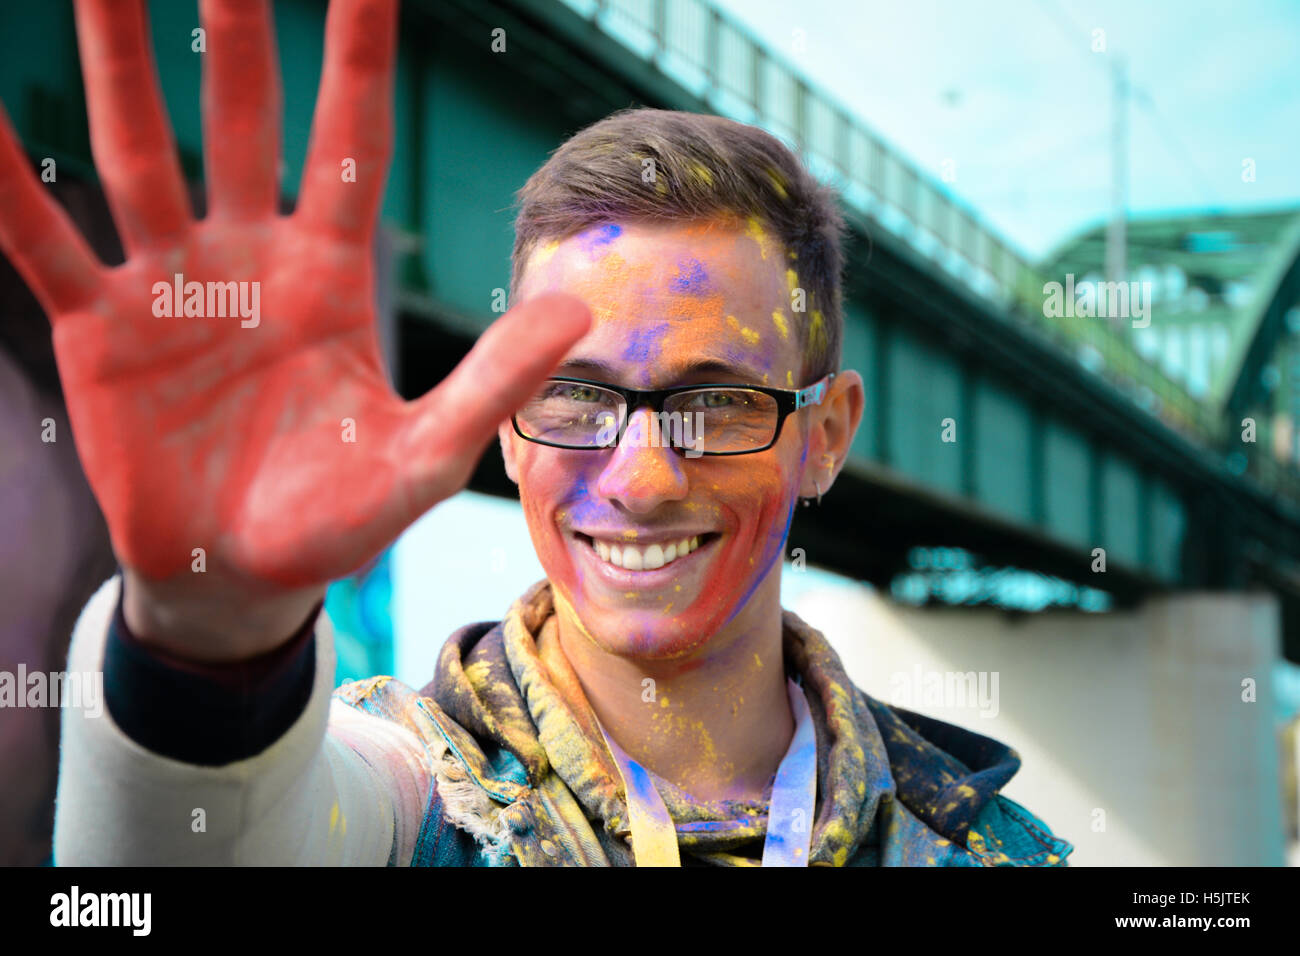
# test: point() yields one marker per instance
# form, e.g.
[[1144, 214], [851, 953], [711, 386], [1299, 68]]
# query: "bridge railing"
[[717, 60]]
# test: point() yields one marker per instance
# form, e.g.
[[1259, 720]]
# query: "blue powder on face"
[[691, 278], [601, 236], [645, 342]]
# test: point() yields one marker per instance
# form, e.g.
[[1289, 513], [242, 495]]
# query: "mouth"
[[624, 557]]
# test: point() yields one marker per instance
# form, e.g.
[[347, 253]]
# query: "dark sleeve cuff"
[[207, 714]]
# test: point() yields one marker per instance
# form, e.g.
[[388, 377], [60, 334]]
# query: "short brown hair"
[[704, 167]]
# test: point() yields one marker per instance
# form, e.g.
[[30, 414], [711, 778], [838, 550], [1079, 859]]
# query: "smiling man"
[[649, 702]]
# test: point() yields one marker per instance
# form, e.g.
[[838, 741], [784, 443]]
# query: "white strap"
[[790, 813]]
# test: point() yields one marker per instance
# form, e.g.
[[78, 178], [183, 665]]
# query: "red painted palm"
[[277, 447]]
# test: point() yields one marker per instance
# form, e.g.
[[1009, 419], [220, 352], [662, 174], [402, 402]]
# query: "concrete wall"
[[1136, 743]]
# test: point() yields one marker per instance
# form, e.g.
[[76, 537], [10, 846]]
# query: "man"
[[664, 393]]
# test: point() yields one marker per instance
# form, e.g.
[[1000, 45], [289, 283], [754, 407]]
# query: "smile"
[[647, 557]]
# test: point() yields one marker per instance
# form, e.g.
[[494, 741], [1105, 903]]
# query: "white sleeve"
[[341, 786]]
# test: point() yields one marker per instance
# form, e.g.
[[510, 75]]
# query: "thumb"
[[452, 424]]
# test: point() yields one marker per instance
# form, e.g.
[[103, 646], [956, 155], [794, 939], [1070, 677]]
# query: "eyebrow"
[[696, 366]]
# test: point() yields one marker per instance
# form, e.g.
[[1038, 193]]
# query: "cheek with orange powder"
[[749, 505]]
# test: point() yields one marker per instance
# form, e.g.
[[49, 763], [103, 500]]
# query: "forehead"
[[668, 296]]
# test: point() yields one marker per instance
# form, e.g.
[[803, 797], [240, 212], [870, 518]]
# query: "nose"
[[644, 471]]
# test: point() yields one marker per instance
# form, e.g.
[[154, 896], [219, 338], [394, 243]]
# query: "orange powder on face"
[[696, 308], [605, 280]]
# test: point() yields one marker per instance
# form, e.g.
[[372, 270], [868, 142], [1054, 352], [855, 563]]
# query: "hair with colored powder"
[[705, 167]]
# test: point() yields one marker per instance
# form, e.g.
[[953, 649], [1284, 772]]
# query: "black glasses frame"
[[788, 401]]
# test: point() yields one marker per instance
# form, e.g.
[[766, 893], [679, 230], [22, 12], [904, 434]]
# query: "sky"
[[1012, 92]]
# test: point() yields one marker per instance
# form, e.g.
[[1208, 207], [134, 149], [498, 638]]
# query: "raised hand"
[[231, 433]]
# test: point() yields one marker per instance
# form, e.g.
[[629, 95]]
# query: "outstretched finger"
[[455, 421], [352, 129], [38, 237], [241, 109], [130, 135]]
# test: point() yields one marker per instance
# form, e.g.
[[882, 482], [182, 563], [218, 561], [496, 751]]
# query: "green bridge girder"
[[1051, 461]]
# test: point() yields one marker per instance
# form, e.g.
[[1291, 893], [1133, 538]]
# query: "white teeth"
[[653, 556]]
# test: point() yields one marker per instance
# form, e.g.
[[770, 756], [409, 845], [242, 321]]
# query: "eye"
[[716, 399], [577, 393]]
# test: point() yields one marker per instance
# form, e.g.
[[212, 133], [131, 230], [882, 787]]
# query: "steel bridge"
[[1070, 435]]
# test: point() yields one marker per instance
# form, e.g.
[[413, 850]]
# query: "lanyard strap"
[[789, 814]]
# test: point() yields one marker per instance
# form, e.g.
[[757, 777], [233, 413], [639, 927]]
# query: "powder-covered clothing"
[[497, 761]]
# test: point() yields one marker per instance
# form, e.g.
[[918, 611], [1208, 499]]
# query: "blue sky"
[[1014, 95]]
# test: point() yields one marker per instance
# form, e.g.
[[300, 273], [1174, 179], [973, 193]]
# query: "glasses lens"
[[571, 414], [718, 420]]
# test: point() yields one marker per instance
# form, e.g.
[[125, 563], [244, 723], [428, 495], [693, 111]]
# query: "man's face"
[[672, 304]]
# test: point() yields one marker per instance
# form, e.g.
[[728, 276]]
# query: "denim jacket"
[[522, 779]]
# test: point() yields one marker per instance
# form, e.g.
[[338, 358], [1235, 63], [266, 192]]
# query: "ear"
[[830, 435], [506, 435]]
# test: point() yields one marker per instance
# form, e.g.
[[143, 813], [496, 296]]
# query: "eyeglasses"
[[698, 420]]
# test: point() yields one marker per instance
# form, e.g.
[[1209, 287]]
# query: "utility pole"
[[1116, 236]]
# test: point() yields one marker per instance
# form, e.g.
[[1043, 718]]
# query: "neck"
[[716, 723]]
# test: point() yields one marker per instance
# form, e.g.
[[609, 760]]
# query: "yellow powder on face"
[[749, 335], [778, 319], [544, 253], [758, 661], [789, 378], [754, 229]]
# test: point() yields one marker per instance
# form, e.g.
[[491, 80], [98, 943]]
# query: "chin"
[[645, 634], [661, 614]]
